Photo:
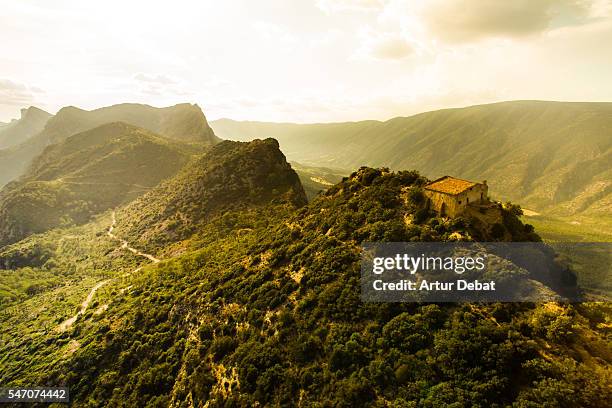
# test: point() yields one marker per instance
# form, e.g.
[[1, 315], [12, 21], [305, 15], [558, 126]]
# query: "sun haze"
[[302, 61]]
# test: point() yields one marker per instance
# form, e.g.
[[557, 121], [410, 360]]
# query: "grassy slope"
[[578, 228], [592, 269]]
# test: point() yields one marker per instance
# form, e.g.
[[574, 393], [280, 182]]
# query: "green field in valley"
[[591, 263]]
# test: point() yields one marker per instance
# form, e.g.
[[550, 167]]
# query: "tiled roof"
[[449, 185]]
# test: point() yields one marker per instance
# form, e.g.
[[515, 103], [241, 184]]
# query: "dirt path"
[[68, 322], [530, 213], [100, 183], [123, 245]]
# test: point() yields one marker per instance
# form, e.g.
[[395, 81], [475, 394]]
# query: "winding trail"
[[123, 245], [68, 322]]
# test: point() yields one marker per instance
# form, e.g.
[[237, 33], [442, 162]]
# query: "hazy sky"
[[299, 60]]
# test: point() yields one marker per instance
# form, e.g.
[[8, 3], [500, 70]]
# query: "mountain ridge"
[[229, 176], [182, 122], [31, 122], [86, 174], [510, 101], [164, 120], [526, 149]]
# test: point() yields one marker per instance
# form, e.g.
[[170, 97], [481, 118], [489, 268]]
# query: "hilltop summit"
[[230, 176], [184, 122]]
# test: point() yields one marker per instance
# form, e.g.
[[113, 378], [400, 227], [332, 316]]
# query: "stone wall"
[[444, 204], [454, 205]]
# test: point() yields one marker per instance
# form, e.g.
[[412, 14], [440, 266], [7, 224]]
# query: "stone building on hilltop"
[[450, 196]]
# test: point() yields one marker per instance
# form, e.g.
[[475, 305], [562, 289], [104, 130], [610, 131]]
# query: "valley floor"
[[570, 229], [593, 269]]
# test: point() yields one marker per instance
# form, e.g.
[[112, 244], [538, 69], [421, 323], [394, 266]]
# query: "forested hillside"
[[86, 174], [230, 176], [183, 122], [551, 156], [260, 304]]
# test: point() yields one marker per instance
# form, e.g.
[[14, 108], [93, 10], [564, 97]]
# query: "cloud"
[[17, 94], [471, 20], [335, 6], [270, 31], [155, 79], [313, 108], [161, 85], [386, 46]]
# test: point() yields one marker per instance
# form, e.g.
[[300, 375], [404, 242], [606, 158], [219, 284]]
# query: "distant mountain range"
[[550, 156], [32, 121], [183, 122]]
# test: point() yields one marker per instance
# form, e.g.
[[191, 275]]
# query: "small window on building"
[[459, 201]]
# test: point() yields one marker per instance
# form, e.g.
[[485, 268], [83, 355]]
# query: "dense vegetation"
[[183, 122], [550, 156], [261, 306], [84, 175], [316, 179], [230, 176]]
